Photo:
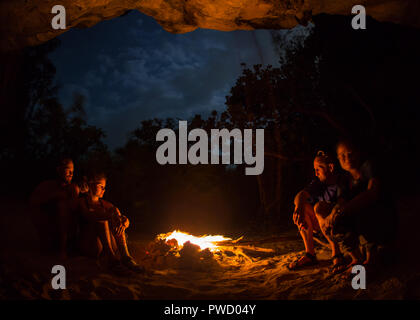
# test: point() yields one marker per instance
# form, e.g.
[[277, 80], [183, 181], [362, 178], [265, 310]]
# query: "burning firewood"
[[180, 250]]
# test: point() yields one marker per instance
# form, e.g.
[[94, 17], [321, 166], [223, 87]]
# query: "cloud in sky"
[[130, 69]]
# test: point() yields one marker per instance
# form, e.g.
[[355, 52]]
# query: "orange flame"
[[204, 242]]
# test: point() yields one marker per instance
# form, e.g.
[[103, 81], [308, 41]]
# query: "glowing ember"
[[203, 242]]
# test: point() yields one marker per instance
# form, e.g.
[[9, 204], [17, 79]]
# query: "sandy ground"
[[256, 270]]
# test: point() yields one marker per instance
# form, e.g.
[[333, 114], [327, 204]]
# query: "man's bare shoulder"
[[73, 188]]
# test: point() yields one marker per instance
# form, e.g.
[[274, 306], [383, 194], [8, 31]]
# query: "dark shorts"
[[376, 224]]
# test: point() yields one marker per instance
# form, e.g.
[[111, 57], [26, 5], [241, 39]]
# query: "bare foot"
[[348, 270], [304, 261]]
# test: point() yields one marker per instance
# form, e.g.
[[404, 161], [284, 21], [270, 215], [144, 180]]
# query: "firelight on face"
[[98, 188], [349, 159], [321, 170], [66, 172]]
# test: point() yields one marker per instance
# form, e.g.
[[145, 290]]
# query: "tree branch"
[[327, 117]]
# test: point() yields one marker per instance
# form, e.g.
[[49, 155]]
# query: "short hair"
[[348, 143], [62, 162], [95, 176], [324, 157]]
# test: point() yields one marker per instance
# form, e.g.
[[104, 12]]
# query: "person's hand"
[[83, 187], [125, 222], [121, 223], [299, 218], [119, 229]]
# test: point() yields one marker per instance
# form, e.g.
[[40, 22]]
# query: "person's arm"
[[363, 199]]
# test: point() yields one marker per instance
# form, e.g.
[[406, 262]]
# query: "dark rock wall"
[[28, 22]]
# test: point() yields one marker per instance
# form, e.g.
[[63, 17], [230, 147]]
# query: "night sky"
[[130, 69]]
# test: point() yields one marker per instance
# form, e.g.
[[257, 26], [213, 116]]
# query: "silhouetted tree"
[[41, 130]]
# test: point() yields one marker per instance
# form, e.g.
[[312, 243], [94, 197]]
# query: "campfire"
[[178, 239], [181, 250]]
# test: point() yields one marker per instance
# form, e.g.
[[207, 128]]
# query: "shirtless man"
[[52, 207], [313, 205]]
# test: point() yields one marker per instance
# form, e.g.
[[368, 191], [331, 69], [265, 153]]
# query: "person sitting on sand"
[[365, 213], [103, 227], [312, 206], [53, 205]]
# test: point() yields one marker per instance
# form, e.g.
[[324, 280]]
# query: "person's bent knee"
[[322, 209], [295, 200]]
